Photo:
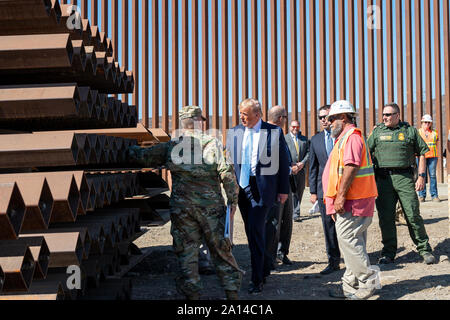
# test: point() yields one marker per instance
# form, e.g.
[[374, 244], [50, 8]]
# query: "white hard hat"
[[341, 106], [427, 118]]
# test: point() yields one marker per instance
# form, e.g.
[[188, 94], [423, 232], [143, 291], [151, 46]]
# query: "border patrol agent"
[[394, 145], [197, 209]]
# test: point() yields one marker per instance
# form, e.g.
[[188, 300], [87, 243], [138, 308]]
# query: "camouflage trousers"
[[189, 227]]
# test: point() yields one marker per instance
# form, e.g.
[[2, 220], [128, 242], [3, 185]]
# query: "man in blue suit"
[[259, 154], [320, 148]]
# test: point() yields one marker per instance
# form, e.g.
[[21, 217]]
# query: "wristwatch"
[[423, 175]]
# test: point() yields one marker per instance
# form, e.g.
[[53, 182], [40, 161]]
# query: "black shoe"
[[385, 260], [428, 258], [255, 289], [330, 269], [287, 261]]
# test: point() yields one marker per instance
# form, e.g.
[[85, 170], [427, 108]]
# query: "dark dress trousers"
[[272, 171], [317, 160]]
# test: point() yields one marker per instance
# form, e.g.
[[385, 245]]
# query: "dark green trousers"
[[392, 188]]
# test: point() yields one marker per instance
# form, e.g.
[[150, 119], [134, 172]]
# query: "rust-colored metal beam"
[[274, 50], [37, 197], [125, 37], [224, 64], [446, 51], [427, 60], [39, 251], [418, 63], [194, 42], [351, 53], [105, 16], [12, 211], [215, 65], [65, 248], [254, 48], [283, 60], [294, 61], [145, 75], [438, 98], [362, 70], [184, 52], [205, 64], [380, 64], [235, 62], [165, 66], [342, 51], [371, 73], [94, 12], [303, 71], [323, 58], [409, 64], [18, 266], [155, 63], [244, 48], [399, 62], [264, 62], [135, 50], [332, 48], [390, 55], [313, 68]]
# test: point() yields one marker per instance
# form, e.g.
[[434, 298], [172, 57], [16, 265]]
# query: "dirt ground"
[[407, 279]]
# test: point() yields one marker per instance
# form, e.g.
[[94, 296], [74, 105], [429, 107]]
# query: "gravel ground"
[[407, 279]]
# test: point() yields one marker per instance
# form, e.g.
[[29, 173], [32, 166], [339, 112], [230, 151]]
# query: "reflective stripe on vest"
[[431, 142], [363, 185]]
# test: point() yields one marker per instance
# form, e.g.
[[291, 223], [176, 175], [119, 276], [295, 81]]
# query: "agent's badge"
[[401, 136]]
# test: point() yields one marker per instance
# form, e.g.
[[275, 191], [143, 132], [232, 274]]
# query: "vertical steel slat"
[[264, 60], [234, 64], [342, 64], [215, 65], [125, 41], [303, 70], [371, 71], [205, 59], [283, 60], [274, 50], [84, 9], [429, 90], [332, 49], [362, 69], [194, 35], [135, 51], [94, 12], [115, 28], [294, 86], [185, 53], [418, 64], [145, 54], [447, 70], [225, 87], [244, 48], [165, 65], [380, 64], [323, 58], [390, 56], [313, 67], [351, 53], [399, 62], [409, 64], [254, 45], [437, 79], [105, 17], [155, 64]]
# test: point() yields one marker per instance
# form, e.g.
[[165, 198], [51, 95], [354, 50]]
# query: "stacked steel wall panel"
[[68, 197]]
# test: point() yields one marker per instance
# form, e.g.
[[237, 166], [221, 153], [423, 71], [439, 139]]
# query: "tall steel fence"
[[294, 53]]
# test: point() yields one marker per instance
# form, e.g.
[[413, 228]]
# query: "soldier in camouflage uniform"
[[197, 208]]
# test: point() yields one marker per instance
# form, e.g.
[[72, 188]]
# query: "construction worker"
[[197, 208], [349, 193], [394, 145], [430, 136]]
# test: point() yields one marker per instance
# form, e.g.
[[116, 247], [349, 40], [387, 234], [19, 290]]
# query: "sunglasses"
[[331, 119], [322, 117], [389, 114], [295, 126]]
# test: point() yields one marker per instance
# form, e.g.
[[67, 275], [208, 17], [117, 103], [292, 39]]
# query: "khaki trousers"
[[352, 236]]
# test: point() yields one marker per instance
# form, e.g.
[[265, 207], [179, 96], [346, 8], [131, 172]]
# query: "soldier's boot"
[[231, 295], [193, 296]]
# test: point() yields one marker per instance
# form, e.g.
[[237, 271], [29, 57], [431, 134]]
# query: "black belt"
[[389, 171]]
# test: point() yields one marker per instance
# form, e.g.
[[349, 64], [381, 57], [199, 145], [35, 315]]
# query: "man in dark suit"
[[299, 149], [259, 154], [320, 148]]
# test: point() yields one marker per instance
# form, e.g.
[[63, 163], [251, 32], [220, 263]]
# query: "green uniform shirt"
[[395, 147], [197, 165]]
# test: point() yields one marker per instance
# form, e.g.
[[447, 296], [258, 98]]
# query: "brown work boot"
[[421, 199], [231, 295]]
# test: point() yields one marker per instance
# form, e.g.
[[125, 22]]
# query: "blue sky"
[[338, 30]]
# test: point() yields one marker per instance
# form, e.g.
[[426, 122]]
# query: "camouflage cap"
[[190, 112]]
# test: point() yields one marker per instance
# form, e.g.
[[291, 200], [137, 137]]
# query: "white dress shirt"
[[256, 134]]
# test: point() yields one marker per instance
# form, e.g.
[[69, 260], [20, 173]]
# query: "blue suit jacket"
[[272, 169], [317, 160]]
